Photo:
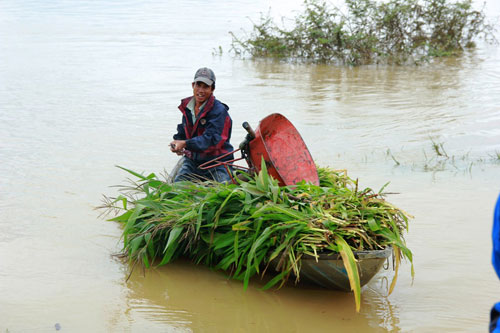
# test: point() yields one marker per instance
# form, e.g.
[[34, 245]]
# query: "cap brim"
[[204, 80]]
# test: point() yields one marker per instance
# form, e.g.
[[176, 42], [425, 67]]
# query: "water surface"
[[85, 86]]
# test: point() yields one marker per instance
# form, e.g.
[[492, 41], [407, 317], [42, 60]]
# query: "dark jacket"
[[209, 136]]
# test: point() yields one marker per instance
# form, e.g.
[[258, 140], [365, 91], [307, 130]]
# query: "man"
[[495, 259], [205, 131]]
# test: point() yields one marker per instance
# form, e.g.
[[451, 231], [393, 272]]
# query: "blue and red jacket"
[[209, 136]]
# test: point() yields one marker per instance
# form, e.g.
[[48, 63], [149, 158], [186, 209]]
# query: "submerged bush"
[[395, 31]]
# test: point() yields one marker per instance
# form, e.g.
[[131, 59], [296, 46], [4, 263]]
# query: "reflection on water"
[[88, 85], [384, 313], [190, 297]]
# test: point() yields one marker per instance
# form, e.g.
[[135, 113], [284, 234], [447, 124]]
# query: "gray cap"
[[205, 75]]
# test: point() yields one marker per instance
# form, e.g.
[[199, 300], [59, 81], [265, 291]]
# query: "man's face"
[[201, 92]]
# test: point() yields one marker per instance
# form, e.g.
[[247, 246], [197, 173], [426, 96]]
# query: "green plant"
[[392, 156], [496, 156], [438, 148], [217, 51], [394, 31], [242, 228]]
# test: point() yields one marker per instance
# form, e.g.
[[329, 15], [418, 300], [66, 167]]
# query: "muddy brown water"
[[85, 86]]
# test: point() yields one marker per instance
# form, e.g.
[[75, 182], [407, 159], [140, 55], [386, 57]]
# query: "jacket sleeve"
[[216, 122], [181, 134]]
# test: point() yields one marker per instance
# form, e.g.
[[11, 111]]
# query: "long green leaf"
[[131, 220], [351, 267], [171, 244], [138, 175]]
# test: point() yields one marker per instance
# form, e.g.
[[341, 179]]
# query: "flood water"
[[88, 85]]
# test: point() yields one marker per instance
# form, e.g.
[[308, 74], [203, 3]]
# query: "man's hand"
[[178, 146]]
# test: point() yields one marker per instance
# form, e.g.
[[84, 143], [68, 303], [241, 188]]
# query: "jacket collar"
[[206, 109]]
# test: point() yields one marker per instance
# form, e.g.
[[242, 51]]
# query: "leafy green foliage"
[[393, 31], [243, 228]]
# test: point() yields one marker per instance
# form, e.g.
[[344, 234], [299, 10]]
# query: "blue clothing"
[[190, 170], [209, 136], [495, 319], [496, 238], [495, 259]]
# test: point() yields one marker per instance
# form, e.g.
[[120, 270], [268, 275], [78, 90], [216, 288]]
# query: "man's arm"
[[179, 144]]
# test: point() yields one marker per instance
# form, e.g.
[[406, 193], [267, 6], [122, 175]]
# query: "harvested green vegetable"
[[241, 228]]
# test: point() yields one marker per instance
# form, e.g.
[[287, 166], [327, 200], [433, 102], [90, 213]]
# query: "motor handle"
[[248, 128], [249, 137]]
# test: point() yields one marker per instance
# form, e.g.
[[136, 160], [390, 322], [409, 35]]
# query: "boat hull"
[[329, 271]]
